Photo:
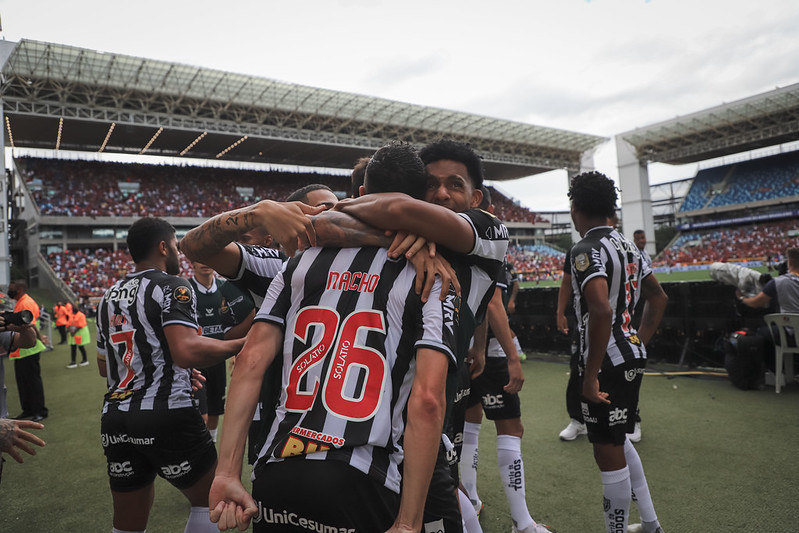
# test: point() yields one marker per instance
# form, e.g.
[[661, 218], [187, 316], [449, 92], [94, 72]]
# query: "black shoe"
[[38, 418], [24, 415]]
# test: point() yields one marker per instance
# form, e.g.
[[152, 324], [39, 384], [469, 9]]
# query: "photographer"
[[27, 369], [12, 434]]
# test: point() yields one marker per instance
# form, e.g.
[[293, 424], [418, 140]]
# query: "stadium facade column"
[[636, 201], [6, 48]]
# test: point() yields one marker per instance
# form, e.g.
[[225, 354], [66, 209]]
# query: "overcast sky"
[[599, 66]]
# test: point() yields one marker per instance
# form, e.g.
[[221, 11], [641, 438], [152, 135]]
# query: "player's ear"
[[361, 190], [163, 248], [477, 197]]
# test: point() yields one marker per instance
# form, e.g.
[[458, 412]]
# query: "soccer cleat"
[[72, 365], [635, 436], [84, 363], [478, 505], [639, 528], [573, 430], [533, 528]]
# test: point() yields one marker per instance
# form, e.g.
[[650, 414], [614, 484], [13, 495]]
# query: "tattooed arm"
[[341, 230], [212, 242]]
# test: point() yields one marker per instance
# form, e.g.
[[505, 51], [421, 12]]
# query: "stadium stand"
[[536, 262], [752, 242], [767, 178], [91, 188]]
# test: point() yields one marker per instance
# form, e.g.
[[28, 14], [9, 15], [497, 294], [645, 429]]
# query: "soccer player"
[[608, 278], [495, 391], [315, 195], [214, 300], [340, 419], [474, 242], [147, 335]]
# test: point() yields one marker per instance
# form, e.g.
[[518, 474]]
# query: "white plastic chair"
[[784, 349]]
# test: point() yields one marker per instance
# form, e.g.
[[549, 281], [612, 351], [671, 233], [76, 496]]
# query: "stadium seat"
[[786, 344]]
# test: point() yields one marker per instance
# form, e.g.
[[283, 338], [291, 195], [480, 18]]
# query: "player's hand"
[[476, 361], [563, 324], [289, 223], [230, 504], [516, 380], [591, 391], [197, 379], [13, 436]]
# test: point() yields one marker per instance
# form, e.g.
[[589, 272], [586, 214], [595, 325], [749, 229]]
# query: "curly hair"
[[455, 151], [396, 167], [593, 194]]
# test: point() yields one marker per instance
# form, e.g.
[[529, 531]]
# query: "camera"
[[21, 318]]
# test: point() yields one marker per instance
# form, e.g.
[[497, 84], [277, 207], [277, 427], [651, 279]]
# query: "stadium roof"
[[762, 120], [61, 97]]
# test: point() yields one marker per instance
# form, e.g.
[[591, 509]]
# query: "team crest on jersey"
[[182, 294], [581, 262]]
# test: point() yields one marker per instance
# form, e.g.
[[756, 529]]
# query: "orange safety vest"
[[61, 315], [26, 302]]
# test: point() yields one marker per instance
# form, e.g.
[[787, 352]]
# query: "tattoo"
[[340, 230], [217, 232], [7, 427]]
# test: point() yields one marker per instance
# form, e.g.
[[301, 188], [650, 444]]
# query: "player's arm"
[[397, 211], [240, 330], [514, 290], [212, 242], [477, 352], [422, 435], [600, 320], [340, 230], [190, 349], [655, 300], [498, 321], [230, 503], [564, 293]]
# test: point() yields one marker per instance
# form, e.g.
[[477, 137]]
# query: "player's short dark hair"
[[638, 232], [301, 194], [455, 151], [593, 194], [485, 203], [396, 167], [793, 257], [356, 178], [145, 234]]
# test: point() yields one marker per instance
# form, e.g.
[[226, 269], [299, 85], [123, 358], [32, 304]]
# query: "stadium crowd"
[[751, 242], [91, 188]]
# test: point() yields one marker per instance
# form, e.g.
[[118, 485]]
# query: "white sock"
[[200, 521], [511, 473], [616, 485], [469, 456], [115, 530], [517, 345], [468, 515], [640, 488], [213, 434]]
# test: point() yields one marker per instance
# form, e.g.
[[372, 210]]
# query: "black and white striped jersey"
[[352, 324], [607, 253], [259, 266], [131, 318]]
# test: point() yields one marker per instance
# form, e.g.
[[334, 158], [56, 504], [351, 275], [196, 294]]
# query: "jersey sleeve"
[[440, 322], [179, 303], [257, 262], [276, 303], [567, 263], [587, 262], [490, 235]]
